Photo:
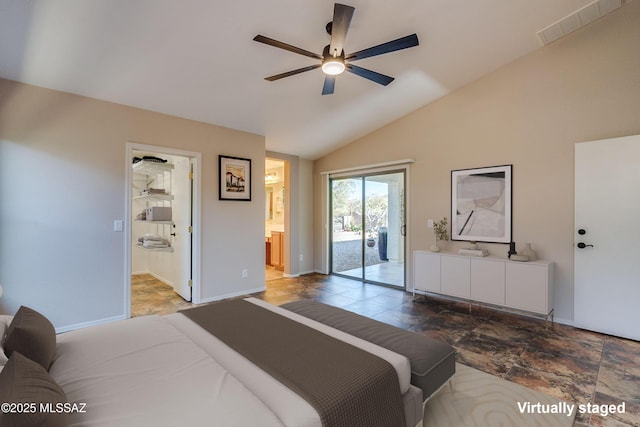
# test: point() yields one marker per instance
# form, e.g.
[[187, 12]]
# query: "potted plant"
[[370, 240], [440, 232]]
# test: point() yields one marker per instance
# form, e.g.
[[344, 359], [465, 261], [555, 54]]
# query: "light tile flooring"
[[272, 273], [391, 273], [571, 364], [151, 296]]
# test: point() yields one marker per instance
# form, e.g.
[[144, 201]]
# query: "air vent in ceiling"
[[577, 19]]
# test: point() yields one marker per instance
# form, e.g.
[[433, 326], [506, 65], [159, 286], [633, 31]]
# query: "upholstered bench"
[[433, 362]]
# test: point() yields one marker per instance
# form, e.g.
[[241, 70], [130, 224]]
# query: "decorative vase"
[[528, 252], [371, 243], [435, 247]]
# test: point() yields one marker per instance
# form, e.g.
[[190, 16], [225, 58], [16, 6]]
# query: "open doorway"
[[162, 251], [274, 217]]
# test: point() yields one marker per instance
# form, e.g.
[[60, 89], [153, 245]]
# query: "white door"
[[607, 210], [182, 189]]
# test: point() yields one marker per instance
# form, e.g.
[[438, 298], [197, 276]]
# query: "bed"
[[171, 370]]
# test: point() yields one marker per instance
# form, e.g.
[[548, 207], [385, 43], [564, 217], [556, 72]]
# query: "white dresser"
[[526, 286]]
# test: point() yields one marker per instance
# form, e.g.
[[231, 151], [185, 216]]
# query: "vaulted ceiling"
[[196, 58]]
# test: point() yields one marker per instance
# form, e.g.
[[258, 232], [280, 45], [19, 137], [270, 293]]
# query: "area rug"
[[479, 399]]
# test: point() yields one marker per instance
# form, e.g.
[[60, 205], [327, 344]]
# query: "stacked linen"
[[153, 241]]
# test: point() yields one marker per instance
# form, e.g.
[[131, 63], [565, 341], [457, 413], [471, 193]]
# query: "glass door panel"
[[367, 240], [384, 228], [346, 236]]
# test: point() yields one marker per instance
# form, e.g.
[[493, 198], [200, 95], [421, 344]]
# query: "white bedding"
[[167, 371], [145, 372]]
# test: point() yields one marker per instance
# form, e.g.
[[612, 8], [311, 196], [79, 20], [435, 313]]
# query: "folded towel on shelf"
[[152, 241], [153, 237], [150, 244]]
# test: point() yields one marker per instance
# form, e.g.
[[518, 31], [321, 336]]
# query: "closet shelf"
[[169, 249], [162, 197], [150, 168], [154, 222]]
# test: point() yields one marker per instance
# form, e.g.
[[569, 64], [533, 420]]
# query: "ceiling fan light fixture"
[[333, 66]]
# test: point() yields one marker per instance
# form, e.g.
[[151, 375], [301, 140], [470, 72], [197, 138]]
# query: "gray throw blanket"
[[347, 386]]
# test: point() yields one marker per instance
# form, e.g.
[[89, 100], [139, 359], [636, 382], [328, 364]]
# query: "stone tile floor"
[[571, 364]]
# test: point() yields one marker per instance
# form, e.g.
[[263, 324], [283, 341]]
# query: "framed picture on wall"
[[481, 204], [235, 178]]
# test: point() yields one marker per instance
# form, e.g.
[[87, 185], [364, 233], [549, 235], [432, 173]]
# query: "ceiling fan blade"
[[392, 46], [285, 46], [292, 72], [368, 74], [329, 85], [342, 15]]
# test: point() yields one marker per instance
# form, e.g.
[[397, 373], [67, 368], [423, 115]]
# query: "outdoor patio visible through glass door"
[[367, 239]]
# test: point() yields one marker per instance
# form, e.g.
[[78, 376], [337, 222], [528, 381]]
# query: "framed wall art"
[[235, 178], [481, 204]]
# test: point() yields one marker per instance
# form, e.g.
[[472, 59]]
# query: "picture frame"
[[235, 178], [481, 204]]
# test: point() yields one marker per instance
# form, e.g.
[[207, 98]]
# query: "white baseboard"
[[563, 321], [297, 274], [88, 324], [306, 272], [232, 295], [162, 279]]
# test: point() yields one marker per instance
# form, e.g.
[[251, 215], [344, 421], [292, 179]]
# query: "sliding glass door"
[[367, 239]]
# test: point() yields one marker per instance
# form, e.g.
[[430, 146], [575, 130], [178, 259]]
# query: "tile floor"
[[571, 364], [151, 296], [271, 273], [391, 273]]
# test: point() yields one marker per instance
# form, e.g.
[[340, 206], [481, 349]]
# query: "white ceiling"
[[196, 58]]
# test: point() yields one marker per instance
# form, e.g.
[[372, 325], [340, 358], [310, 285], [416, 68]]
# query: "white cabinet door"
[[426, 271], [455, 276], [527, 287], [488, 281]]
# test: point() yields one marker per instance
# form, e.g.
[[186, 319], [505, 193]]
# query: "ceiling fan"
[[334, 60]]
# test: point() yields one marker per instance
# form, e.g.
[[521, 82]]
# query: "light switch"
[[117, 225], [430, 223]]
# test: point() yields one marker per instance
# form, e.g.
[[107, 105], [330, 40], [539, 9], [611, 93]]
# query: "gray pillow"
[[31, 334], [25, 381]]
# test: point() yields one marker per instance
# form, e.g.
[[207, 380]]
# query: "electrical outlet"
[[301, 257], [117, 225], [430, 223], [245, 273]]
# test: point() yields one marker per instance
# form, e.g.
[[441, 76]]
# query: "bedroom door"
[[182, 218], [607, 208]]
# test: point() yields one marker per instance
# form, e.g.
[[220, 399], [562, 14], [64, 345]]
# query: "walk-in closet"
[[161, 230]]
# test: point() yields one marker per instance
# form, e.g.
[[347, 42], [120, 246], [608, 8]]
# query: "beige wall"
[[529, 113], [62, 184], [305, 215]]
